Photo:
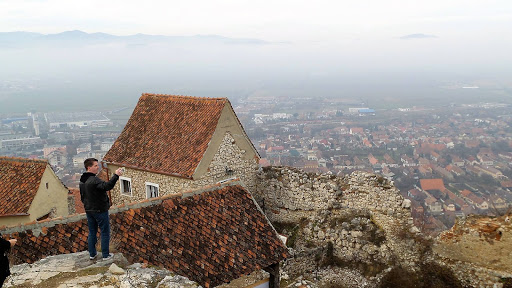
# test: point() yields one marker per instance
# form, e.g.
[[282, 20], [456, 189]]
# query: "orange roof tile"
[[465, 193], [19, 182], [167, 134], [432, 184]]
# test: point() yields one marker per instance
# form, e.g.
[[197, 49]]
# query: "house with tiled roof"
[[174, 143], [432, 184], [497, 202], [30, 190], [495, 173], [479, 202]]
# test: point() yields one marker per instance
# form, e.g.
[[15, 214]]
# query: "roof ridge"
[[21, 159], [184, 97]]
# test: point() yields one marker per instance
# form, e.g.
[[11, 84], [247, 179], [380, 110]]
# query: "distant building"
[[356, 109], [58, 157], [15, 143], [85, 147], [49, 149], [77, 119]]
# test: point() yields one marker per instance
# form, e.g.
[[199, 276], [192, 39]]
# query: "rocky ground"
[[77, 271]]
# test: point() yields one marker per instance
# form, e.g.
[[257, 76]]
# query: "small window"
[[47, 185], [151, 190], [43, 217], [126, 186]]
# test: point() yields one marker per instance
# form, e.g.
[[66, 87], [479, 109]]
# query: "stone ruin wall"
[[360, 205], [289, 195]]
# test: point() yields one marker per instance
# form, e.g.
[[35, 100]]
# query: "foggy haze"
[[76, 70]]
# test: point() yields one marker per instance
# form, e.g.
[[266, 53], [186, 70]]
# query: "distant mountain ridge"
[[23, 37]]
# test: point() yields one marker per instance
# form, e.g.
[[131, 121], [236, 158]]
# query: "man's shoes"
[[109, 257], [93, 257]]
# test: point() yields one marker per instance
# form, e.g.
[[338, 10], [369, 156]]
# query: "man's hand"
[[119, 171], [13, 242]]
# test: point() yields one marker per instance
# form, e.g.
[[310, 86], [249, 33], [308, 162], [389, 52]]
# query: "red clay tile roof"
[[19, 182], [211, 236], [167, 134], [432, 184], [465, 192]]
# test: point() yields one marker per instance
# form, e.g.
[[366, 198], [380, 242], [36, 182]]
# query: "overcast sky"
[[314, 44], [276, 20]]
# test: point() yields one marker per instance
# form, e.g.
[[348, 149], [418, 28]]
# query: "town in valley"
[[449, 160]]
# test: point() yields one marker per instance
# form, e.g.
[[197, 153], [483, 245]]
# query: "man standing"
[[93, 192]]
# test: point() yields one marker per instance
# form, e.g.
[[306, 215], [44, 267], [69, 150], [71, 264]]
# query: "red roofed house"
[[30, 190], [175, 143], [356, 130], [432, 184]]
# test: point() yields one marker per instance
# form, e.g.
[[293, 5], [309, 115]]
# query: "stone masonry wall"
[[352, 212], [228, 155], [287, 192], [293, 189], [362, 214]]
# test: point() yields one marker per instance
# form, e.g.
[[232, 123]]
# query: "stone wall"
[[367, 221], [360, 214], [293, 189], [289, 194], [228, 155], [71, 204]]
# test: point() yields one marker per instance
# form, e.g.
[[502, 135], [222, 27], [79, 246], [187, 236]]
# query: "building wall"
[[14, 220], [53, 199], [228, 124], [228, 153]]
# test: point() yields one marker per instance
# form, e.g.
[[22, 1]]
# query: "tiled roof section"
[[432, 184], [19, 182], [211, 236], [167, 134]]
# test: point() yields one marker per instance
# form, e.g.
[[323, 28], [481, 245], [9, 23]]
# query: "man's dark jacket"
[[93, 192]]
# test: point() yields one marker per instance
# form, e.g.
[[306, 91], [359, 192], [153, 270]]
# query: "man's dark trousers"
[[95, 220]]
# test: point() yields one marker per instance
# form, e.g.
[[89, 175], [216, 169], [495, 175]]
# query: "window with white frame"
[[151, 190], [126, 186]]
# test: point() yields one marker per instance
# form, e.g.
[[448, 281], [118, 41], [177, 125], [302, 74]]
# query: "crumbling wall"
[[478, 246], [360, 214], [359, 221], [288, 194]]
